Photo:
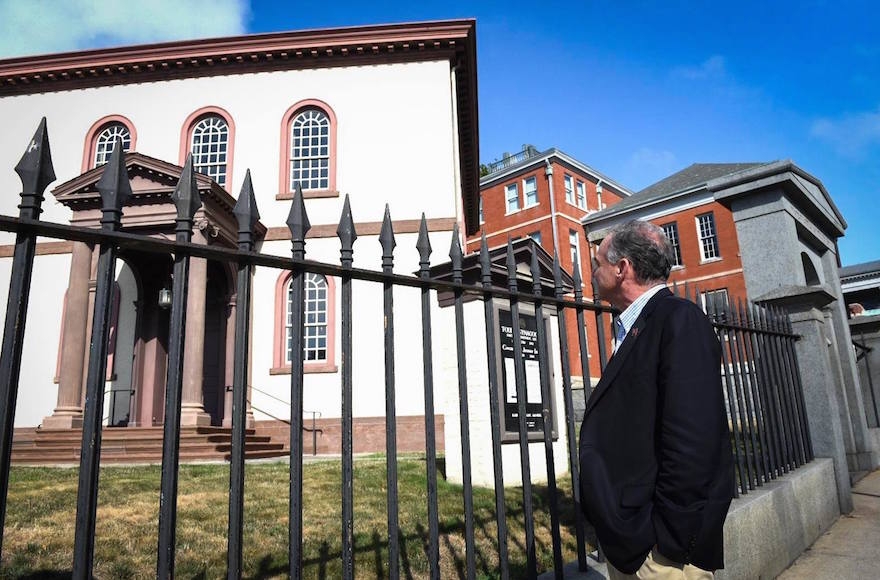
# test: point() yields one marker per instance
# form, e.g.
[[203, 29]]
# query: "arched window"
[[308, 150], [102, 137], [318, 324], [209, 134], [107, 140], [210, 139]]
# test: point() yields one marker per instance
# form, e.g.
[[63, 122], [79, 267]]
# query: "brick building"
[[701, 229], [545, 195]]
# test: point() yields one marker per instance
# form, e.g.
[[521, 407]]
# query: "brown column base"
[[194, 417], [63, 418]]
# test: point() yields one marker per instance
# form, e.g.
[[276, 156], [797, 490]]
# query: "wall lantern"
[[165, 297]]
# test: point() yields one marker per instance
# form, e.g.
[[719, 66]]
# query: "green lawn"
[[41, 509]]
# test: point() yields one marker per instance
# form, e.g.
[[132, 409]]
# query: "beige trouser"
[[659, 567]]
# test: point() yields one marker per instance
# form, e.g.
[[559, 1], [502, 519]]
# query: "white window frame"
[[310, 150], [580, 194], [672, 228], [316, 334], [708, 237], [530, 190], [574, 247], [209, 145], [709, 295], [106, 140], [511, 197], [568, 183]]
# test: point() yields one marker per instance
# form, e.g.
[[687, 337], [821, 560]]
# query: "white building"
[[385, 114]]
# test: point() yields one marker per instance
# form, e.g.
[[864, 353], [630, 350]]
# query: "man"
[[655, 453]]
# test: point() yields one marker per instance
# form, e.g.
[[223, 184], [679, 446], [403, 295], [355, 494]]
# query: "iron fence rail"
[[769, 430]]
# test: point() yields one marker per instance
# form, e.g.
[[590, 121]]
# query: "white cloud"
[[850, 134], [711, 68], [46, 26]]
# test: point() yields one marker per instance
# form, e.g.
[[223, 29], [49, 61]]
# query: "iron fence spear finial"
[[186, 197], [36, 172], [246, 211], [347, 234], [386, 238], [298, 223], [485, 262], [456, 256], [114, 187], [423, 245]]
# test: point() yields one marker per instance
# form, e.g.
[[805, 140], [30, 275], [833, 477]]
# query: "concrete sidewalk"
[[849, 550]]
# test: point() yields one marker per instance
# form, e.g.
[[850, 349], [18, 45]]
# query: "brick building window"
[[569, 189], [715, 300], [581, 195], [511, 194], [536, 236], [530, 191], [574, 248], [671, 231], [708, 236]]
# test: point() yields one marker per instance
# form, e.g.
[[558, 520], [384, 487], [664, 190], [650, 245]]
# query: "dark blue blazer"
[[656, 462]]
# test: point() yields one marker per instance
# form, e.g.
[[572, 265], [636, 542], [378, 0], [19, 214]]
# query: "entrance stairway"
[[122, 445]]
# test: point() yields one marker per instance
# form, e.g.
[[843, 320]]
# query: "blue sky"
[[637, 90]]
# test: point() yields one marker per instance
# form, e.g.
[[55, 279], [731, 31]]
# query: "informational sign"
[[528, 333]]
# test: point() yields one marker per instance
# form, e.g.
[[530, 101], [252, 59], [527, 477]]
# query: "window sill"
[[309, 194], [582, 208], [710, 260], [513, 212], [531, 206], [307, 369]]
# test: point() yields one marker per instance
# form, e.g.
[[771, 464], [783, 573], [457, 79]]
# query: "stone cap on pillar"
[[798, 298]]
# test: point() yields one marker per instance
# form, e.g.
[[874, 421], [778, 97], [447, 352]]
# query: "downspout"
[[598, 195], [548, 172]]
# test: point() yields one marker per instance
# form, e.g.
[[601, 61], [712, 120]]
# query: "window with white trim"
[[536, 236], [569, 188], [671, 231], [581, 195], [106, 140], [574, 247], [708, 237], [530, 191], [715, 300], [315, 333], [209, 146], [310, 150], [511, 194], [481, 209]]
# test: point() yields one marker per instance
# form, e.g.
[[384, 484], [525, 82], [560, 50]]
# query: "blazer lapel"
[[616, 362]]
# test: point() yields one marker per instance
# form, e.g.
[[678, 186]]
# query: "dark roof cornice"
[[237, 54]]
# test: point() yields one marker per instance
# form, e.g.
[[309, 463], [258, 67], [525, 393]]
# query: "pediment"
[[150, 209]]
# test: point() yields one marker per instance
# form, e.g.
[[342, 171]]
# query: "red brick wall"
[[725, 272], [368, 434], [498, 225]]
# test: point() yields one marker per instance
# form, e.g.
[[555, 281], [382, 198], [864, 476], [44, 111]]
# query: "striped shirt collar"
[[628, 317]]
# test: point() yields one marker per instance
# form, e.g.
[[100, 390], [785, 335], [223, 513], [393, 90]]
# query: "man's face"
[[604, 274]]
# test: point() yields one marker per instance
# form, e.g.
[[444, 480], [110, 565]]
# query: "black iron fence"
[[761, 377]]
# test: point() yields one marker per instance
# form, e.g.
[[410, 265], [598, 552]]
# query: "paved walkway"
[[849, 550]]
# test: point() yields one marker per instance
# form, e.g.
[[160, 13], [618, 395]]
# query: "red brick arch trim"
[[88, 159], [284, 191]]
